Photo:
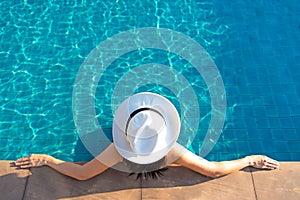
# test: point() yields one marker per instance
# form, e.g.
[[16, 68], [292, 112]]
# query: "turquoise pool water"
[[255, 45]]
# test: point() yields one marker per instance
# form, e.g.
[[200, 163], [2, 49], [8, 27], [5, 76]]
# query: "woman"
[[145, 130]]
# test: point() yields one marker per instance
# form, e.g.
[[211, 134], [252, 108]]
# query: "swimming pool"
[[255, 45]]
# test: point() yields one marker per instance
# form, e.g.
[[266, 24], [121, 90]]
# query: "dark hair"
[[146, 170]]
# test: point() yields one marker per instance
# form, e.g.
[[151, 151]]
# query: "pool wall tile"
[[262, 122], [293, 144], [295, 110], [293, 156], [296, 121]]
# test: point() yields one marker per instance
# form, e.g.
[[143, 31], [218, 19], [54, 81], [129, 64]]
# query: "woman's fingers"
[[271, 162], [268, 163], [29, 161], [264, 162], [269, 166], [26, 166], [20, 160], [22, 163]]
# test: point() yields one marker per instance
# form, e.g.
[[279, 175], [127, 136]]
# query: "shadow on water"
[[92, 144]]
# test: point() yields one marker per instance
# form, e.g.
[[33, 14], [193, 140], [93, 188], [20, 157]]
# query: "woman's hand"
[[34, 160], [262, 162]]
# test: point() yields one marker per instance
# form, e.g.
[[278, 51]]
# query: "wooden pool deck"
[[177, 183]]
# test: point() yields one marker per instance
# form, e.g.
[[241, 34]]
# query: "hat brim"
[[165, 140]]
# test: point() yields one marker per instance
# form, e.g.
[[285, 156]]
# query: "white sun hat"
[[145, 127]]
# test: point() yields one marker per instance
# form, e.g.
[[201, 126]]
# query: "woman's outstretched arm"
[[109, 157], [217, 169]]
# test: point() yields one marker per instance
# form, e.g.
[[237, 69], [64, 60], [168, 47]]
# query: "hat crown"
[[145, 124], [143, 131]]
